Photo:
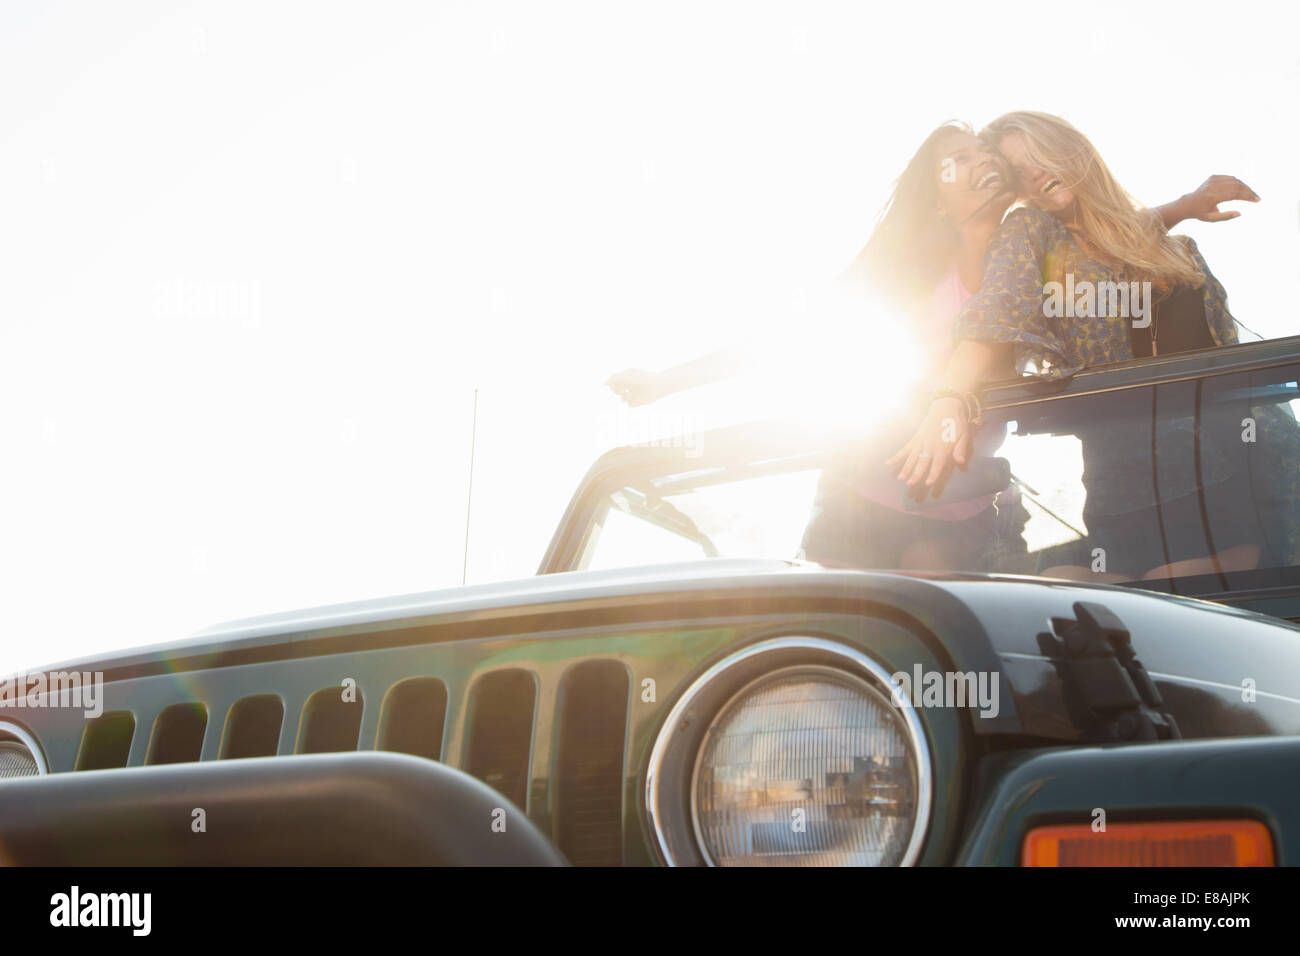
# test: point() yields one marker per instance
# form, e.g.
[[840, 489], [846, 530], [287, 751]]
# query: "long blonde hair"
[[1110, 220]]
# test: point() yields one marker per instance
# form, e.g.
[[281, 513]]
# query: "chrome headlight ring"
[[10, 731], [671, 779]]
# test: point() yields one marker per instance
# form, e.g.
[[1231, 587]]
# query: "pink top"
[[936, 320], [938, 317]]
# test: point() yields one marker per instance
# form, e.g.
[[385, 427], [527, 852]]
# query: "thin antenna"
[[473, 437]]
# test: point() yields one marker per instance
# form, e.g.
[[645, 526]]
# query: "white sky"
[[255, 257]]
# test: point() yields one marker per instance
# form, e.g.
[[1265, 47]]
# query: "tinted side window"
[[1187, 487], [1256, 414]]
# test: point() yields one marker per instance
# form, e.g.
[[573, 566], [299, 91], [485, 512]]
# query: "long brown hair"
[[911, 247], [1131, 236]]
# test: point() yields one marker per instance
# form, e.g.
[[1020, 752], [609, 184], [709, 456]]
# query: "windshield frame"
[[728, 454]]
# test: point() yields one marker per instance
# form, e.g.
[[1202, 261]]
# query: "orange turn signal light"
[[1180, 843]]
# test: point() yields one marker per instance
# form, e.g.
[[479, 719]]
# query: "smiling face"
[[1034, 185], [974, 180]]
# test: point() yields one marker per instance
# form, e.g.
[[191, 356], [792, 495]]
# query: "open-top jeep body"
[[732, 704]]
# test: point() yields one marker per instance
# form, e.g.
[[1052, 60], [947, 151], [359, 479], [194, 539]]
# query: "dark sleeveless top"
[[1178, 323]]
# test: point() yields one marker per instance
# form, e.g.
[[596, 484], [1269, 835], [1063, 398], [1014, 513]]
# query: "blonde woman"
[[1080, 227], [925, 258]]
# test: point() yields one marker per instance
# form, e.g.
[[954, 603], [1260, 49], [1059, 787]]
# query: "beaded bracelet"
[[971, 402]]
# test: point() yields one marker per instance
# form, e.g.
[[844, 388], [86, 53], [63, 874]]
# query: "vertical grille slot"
[[178, 734], [253, 727], [106, 741], [414, 715], [589, 785], [501, 732], [330, 724]]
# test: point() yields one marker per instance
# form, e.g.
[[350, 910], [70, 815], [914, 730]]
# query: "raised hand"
[[1203, 203]]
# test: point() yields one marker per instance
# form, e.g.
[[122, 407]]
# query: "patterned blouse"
[[1032, 248]]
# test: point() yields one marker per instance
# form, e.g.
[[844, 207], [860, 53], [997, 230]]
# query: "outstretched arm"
[[639, 387], [1203, 203]]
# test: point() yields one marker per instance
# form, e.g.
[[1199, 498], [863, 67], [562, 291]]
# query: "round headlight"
[[808, 766], [790, 752], [19, 755]]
